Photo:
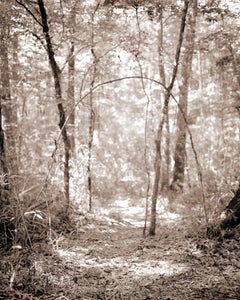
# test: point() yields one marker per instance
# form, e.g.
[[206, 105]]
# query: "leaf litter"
[[109, 259]]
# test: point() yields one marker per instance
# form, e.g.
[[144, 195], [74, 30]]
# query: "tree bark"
[[91, 113], [158, 140], [58, 96], [9, 108], [8, 132], [232, 216], [166, 164], [4, 184], [71, 82], [180, 147]]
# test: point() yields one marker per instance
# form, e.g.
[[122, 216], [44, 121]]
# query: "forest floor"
[[109, 259]]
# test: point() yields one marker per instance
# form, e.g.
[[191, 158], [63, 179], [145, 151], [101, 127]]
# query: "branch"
[[114, 81], [29, 11], [72, 56], [97, 86], [180, 41], [55, 68], [39, 39]]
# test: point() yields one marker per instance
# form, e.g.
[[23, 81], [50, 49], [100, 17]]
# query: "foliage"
[[109, 30], [124, 36]]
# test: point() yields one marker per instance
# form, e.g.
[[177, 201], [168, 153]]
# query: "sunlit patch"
[[135, 215], [162, 267], [169, 217], [108, 230], [134, 267], [223, 215], [121, 203]]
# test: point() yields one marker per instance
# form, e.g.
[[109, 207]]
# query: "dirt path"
[[115, 262], [109, 259]]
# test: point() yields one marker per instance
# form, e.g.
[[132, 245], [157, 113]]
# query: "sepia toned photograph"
[[120, 149]]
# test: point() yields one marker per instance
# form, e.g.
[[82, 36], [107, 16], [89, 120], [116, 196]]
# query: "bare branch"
[[179, 46], [39, 39], [29, 11]]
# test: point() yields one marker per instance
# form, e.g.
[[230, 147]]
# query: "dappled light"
[[133, 265], [119, 150]]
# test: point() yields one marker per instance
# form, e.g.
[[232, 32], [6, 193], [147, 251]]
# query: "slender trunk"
[[20, 129], [158, 140], [157, 165], [58, 96], [166, 164], [15, 65], [91, 113], [166, 171], [147, 170], [180, 147], [160, 52], [200, 70], [90, 143], [15, 81], [71, 98], [71, 83], [4, 184]]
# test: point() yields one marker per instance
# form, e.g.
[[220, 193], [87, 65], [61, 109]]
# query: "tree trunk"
[[9, 108], [166, 164], [71, 83], [91, 113], [180, 147], [58, 96], [90, 143], [232, 212], [8, 133], [4, 184], [158, 140]]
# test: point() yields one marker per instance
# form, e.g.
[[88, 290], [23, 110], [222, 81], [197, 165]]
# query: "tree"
[[9, 107], [158, 140], [71, 79], [58, 97], [4, 183], [91, 126], [108, 156], [8, 132], [162, 73], [180, 151]]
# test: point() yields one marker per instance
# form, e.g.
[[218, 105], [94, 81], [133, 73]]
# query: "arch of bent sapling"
[[199, 170]]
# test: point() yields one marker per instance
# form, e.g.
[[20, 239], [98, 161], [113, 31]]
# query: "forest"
[[119, 149]]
